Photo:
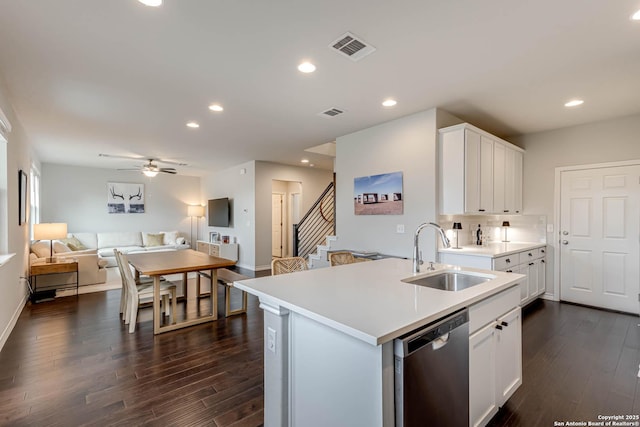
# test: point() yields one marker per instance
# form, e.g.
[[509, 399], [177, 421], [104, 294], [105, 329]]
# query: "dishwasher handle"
[[440, 342]]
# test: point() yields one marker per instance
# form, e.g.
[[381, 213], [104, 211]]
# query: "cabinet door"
[[509, 355], [499, 178], [202, 247], [524, 285], [510, 181], [486, 174], [471, 171], [482, 375], [542, 276], [532, 277], [518, 181]]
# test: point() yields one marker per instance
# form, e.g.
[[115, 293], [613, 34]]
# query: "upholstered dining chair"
[[288, 265], [136, 292], [142, 280], [341, 258]]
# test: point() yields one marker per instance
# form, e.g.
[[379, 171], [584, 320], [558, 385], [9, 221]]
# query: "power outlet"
[[271, 339], [400, 228]]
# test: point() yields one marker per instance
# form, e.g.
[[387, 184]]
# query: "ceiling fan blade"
[[149, 159], [168, 170], [129, 169]]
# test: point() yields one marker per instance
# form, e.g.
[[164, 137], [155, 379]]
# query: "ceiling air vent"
[[352, 46], [331, 112]]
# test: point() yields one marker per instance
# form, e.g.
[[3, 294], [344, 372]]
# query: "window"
[[5, 128]]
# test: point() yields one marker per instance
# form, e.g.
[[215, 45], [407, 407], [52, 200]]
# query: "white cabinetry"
[[531, 263], [221, 250], [495, 354], [479, 173]]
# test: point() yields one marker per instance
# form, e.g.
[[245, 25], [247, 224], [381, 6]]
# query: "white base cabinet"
[[531, 263], [221, 250], [495, 354]]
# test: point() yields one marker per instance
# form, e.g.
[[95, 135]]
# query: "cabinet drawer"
[[506, 262], [493, 307], [527, 256], [214, 250]]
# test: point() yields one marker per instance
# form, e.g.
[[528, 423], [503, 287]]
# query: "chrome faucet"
[[416, 249]]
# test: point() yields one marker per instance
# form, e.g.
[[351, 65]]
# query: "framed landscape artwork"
[[378, 194], [125, 197]]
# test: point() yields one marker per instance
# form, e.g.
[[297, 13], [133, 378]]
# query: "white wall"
[[313, 182], [605, 141], [14, 290], [406, 145], [240, 189], [78, 196], [251, 206]]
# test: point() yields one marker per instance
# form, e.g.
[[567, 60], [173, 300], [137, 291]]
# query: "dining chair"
[[142, 280], [288, 265], [341, 258], [136, 292]]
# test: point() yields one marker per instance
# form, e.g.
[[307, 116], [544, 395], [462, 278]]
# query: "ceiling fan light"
[[152, 3], [150, 173]]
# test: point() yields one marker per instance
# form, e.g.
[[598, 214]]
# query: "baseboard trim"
[[14, 319]]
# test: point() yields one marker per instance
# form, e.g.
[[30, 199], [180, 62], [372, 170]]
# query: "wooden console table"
[[59, 267]]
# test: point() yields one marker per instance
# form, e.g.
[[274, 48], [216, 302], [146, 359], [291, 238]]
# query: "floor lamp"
[[50, 231], [195, 211]]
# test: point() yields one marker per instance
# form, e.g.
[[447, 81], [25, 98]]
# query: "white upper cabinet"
[[479, 173]]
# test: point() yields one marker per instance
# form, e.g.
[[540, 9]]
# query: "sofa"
[[126, 242], [94, 251], [91, 268]]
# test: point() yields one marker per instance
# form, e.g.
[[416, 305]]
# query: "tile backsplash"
[[523, 228]]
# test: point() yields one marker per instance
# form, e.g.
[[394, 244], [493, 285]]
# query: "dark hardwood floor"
[[71, 362]]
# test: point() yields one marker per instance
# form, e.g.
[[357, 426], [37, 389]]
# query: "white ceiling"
[[113, 76]]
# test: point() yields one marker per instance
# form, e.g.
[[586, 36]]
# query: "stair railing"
[[318, 223]]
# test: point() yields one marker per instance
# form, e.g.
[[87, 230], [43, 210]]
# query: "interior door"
[[600, 237], [276, 225]]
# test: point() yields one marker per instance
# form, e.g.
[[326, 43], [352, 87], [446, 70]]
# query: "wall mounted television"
[[219, 212]]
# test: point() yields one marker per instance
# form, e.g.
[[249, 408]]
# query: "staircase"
[[317, 226], [320, 258]]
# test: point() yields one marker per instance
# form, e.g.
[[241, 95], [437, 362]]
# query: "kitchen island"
[[329, 336]]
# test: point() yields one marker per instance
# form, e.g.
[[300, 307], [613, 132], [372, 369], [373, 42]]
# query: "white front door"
[[276, 225], [600, 237]]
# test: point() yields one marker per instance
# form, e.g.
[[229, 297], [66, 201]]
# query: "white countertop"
[[493, 249], [368, 300]]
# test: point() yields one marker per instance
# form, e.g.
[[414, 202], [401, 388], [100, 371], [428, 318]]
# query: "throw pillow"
[[74, 244], [170, 237], [155, 239], [59, 248], [41, 249]]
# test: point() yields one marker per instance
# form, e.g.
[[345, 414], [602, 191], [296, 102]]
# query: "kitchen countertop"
[[368, 300], [493, 249]]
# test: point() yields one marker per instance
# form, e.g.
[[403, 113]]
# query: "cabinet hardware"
[[508, 261], [531, 263], [509, 271], [499, 327], [542, 261], [565, 242], [506, 211], [565, 233], [530, 254], [503, 323], [481, 210]]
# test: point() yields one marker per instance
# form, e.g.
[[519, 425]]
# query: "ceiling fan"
[[150, 168]]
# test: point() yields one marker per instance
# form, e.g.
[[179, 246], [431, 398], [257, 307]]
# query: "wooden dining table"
[[158, 264]]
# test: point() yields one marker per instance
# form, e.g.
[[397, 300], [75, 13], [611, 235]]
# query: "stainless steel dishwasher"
[[432, 374]]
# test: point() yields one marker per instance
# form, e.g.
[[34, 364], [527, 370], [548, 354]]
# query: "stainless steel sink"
[[450, 280]]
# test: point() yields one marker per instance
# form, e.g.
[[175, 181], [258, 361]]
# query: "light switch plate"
[[549, 228], [400, 228]]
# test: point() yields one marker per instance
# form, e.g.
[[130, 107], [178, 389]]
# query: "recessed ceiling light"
[[304, 161], [153, 3], [193, 125], [389, 102], [574, 103], [216, 107], [306, 67], [636, 16], [311, 165]]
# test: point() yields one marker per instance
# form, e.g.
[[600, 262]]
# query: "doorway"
[[285, 211], [599, 241]]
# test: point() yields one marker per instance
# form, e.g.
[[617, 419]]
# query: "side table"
[[59, 267]]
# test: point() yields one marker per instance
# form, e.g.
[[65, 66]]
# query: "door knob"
[[565, 242], [565, 233]]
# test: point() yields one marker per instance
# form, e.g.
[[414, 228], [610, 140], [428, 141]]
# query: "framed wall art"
[[23, 197], [378, 194], [125, 197]]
